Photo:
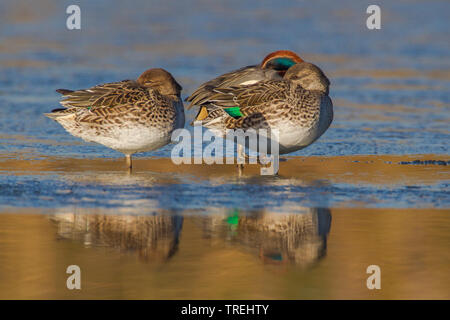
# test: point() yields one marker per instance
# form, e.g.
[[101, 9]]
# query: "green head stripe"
[[284, 62], [276, 257]]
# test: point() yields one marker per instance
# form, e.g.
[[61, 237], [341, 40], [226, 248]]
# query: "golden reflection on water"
[[228, 254], [154, 238], [273, 237]]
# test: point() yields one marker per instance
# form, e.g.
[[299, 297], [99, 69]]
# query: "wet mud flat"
[[414, 181], [169, 231], [361, 168]]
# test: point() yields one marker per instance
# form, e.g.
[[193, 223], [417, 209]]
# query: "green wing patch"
[[235, 112]]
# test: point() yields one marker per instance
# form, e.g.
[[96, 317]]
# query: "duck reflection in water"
[[154, 237], [277, 238]]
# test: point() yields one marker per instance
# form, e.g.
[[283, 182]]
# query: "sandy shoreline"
[[372, 169]]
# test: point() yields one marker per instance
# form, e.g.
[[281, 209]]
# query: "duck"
[[272, 67], [129, 116], [297, 106]]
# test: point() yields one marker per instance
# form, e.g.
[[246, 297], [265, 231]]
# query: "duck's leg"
[[240, 155], [129, 161]]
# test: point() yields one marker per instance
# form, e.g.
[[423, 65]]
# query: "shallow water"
[[374, 189], [231, 254]]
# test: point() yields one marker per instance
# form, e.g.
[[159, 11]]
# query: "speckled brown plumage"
[[269, 103], [268, 69], [298, 106], [129, 116]]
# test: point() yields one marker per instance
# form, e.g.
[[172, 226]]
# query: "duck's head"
[[280, 61], [160, 80], [308, 76]]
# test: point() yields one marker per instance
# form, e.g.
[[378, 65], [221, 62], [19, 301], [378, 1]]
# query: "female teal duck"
[[129, 116], [297, 105]]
